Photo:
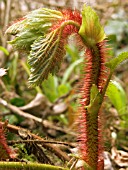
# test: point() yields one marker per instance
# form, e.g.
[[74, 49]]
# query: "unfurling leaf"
[[40, 33], [91, 30], [45, 57], [35, 24]]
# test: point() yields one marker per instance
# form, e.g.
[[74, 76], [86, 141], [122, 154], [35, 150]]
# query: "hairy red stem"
[[5, 151], [89, 124]]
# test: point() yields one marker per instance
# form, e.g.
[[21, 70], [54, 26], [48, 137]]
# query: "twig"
[[41, 142], [6, 21], [57, 151], [45, 123], [16, 110], [4, 113]]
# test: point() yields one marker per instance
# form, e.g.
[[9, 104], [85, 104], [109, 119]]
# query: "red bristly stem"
[[90, 137], [5, 151], [90, 125]]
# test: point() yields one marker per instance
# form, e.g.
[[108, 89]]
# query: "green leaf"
[[91, 30], [63, 89], [95, 100], [17, 101], [13, 68], [73, 52], [45, 57], [70, 70], [35, 24], [112, 64], [24, 39], [13, 119], [43, 16], [117, 96], [16, 27], [4, 50], [50, 88]]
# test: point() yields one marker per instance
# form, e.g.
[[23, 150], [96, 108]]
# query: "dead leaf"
[[119, 157]]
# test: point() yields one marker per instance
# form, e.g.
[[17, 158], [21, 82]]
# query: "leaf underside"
[[45, 57], [46, 48]]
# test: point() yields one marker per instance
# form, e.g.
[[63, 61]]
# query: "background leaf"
[[4, 50], [112, 64], [50, 88], [117, 96], [70, 70]]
